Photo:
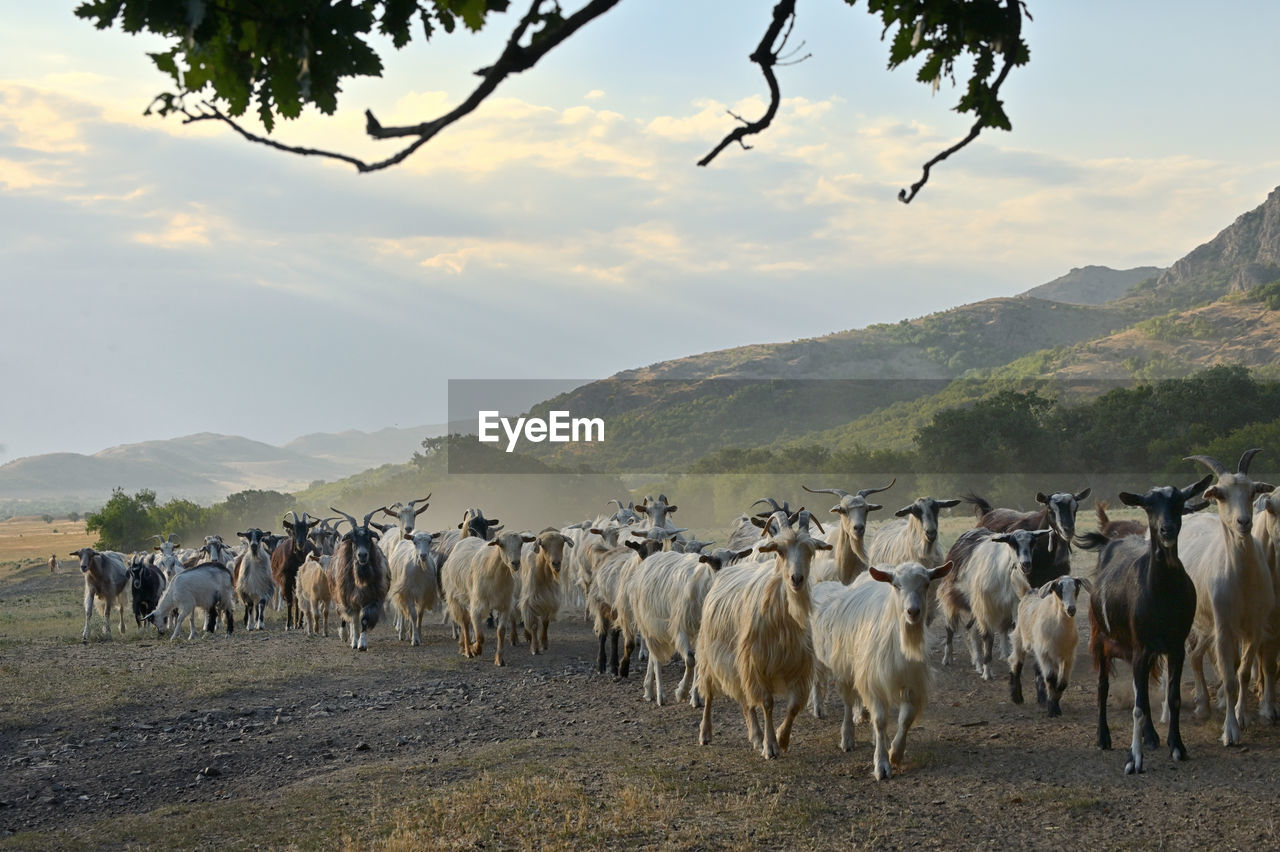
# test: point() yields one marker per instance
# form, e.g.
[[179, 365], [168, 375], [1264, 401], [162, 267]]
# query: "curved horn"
[[370, 515], [420, 500], [1210, 462], [294, 515], [839, 492], [160, 537], [349, 517], [1243, 467], [619, 502], [772, 502], [865, 491]]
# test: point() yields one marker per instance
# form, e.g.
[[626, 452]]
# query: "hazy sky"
[[162, 280]]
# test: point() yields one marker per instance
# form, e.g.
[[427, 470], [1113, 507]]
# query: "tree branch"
[[513, 59], [766, 56], [903, 195]]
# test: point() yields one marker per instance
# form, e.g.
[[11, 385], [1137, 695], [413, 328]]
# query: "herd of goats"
[[787, 609]]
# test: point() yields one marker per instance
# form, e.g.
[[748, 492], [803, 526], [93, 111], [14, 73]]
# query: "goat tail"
[[980, 504], [1100, 510], [1092, 541], [955, 600]]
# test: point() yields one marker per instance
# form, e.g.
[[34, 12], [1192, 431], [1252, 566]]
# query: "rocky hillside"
[[1244, 255]]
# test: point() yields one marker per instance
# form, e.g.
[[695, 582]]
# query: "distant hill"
[[363, 450], [1092, 323], [1093, 285], [203, 467]]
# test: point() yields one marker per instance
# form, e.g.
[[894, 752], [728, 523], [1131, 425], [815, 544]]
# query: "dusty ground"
[[279, 740]]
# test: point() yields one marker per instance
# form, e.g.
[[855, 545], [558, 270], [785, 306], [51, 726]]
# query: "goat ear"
[[947, 504], [1041, 497], [838, 510], [672, 509], [493, 543], [769, 547], [528, 538], [568, 542], [819, 544], [942, 570], [1130, 499], [1083, 495], [903, 512], [1212, 493], [874, 507], [743, 554], [596, 531], [759, 522], [1083, 583], [1003, 538], [1047, 588], [886, 576], [1263, 488]]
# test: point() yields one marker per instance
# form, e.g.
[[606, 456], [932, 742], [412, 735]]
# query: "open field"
[[26, 539], [282, 740]]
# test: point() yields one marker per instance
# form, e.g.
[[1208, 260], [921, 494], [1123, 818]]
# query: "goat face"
[[1023, 543], [509, 545], [925, 511], [853, 514], [721, 557], [1067, 590], [552, 543], [795, 550], [910, 582], [86, 556], [422, 542], [1165, 506], [253, 537], [1062, 507]]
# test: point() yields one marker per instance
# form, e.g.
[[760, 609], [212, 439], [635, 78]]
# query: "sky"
[[162, 279]]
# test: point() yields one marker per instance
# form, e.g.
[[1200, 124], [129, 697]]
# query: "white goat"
[[1266, 531], [206, 586], [479, 577], [540, 590], [415, 584], [913, 537], [755, 642], [1046, 630], [849, 558], [870, 638], [253, 583], [662, 601], [1234, 593], [105, 576], [604, 592], [987, 593]]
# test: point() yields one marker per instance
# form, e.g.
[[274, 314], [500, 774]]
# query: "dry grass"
[[29, 539]]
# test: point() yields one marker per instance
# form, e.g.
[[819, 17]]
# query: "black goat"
[[1052, 556], [147, 582], [286, 561], [1142, 606]]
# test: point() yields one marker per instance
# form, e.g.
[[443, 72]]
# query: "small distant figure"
[[53, 563]]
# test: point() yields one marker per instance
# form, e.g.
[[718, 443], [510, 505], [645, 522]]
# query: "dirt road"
[[284, 740]]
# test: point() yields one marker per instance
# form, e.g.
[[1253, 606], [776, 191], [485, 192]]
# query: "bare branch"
[[766, 56], [514, 58]]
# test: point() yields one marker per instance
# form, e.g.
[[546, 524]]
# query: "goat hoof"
[[1178, 752]]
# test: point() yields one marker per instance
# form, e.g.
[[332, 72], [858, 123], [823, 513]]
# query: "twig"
[[766, 56]]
